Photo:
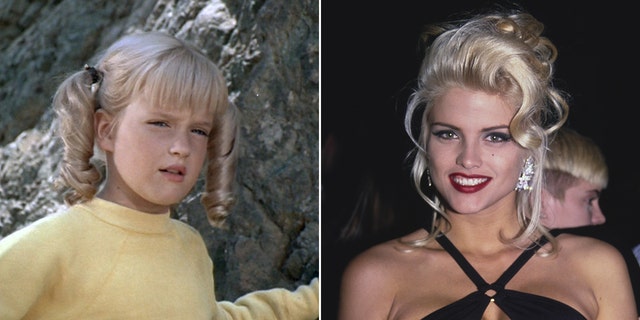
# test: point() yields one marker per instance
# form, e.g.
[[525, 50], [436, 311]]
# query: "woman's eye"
[[445, 134], [499, 137]]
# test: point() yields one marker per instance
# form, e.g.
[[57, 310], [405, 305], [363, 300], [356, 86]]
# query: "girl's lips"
[[176, 169], [174, 173], [468, 184]]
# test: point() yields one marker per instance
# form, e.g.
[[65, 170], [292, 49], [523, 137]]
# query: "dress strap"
[[471, 272], [468, 269]]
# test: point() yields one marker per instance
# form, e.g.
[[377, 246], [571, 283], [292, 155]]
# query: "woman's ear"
[[103, 125]]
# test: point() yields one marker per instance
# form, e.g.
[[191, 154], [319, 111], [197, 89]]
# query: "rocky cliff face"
[[269, 53]]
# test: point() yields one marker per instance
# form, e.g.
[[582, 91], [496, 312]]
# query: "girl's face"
[[473, 161], [154, 156]]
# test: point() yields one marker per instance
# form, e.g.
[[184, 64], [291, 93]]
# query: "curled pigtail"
[[75, 102], [218, 197]]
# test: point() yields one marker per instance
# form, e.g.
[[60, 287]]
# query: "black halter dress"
[[515, 304]]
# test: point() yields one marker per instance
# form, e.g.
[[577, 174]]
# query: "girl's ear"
[[103, 126]]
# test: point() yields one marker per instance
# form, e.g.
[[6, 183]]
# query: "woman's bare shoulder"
[[590, 253], [370, 280], [585, 246], [386, 257], [601, 267]]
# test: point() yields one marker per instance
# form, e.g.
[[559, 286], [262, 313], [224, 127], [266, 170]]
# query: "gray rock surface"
[[269, 53]]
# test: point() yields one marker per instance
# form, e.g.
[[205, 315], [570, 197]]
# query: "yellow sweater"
[[100, 260]]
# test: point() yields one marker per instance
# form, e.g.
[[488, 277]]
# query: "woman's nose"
[[469, 156]]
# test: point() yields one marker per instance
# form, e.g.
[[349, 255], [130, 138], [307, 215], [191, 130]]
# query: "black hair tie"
[[95, 75]]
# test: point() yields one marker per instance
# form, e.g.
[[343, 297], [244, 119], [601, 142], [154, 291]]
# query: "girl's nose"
[[180, 146]]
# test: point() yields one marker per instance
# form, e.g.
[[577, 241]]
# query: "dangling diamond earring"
[[524, 181], [428, 178]]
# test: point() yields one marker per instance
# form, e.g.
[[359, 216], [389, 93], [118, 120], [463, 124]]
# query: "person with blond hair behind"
[[575, 175]]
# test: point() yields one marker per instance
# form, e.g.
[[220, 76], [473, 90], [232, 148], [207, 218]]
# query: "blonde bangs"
[[184, 81]]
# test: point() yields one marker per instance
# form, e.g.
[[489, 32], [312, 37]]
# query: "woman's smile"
[[468, 184]]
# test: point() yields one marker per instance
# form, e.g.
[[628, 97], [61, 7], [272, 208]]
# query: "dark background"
[[370, 55]]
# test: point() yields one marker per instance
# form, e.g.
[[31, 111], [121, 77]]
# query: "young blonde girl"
[[157, 111]]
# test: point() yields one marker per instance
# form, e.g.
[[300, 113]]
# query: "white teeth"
[[469, 181]]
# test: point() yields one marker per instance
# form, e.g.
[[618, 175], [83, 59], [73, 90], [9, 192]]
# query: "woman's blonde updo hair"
[[498, 53], [171, 74]]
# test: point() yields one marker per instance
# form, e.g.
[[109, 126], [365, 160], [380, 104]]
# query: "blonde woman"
[[486, 106]]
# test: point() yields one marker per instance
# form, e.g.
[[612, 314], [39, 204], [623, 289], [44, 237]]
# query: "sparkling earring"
[[428, 178], [524, 181]]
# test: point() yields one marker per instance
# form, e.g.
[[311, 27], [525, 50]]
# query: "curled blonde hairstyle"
[[572, 157], [498, 53], [171, 74]]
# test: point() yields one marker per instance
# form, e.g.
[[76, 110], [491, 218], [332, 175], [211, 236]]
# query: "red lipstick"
[[468, 183]]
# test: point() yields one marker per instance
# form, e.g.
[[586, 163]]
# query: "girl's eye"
[[159, 123], [499, 137], [200, 132]]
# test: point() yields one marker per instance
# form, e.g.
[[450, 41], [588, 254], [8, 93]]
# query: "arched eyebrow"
[[489, 129]]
